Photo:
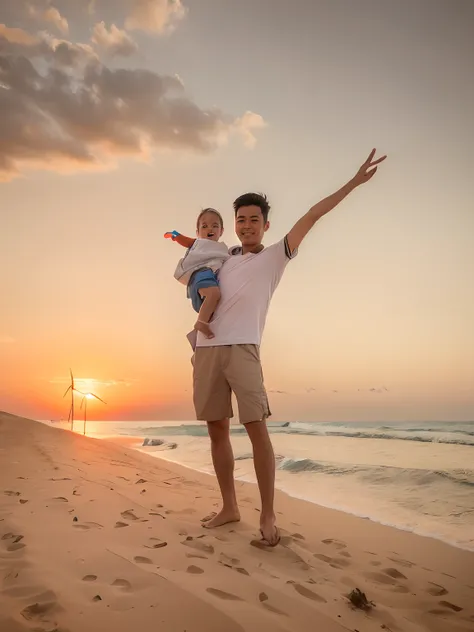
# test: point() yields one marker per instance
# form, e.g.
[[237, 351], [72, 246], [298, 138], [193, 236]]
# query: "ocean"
[[414, 476]]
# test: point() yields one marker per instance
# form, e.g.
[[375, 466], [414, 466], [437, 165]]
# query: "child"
[[199, 267]]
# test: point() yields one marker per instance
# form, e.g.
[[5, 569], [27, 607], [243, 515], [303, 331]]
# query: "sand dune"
[[94, 535]]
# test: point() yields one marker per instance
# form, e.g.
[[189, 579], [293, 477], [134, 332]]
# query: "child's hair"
[[209, 210], [253, 199]]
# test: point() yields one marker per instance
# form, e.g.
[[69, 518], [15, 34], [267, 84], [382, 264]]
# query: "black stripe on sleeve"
[[288, 252]]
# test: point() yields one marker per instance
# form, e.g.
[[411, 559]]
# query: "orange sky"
[[372, 321]]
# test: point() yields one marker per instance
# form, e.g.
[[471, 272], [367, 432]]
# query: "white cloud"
[[52, 16], [156, 16], [114, 41], [62, 109], [246, 125]]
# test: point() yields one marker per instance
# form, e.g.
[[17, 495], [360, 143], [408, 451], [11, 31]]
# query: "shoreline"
[[51, 476], [157, 453]]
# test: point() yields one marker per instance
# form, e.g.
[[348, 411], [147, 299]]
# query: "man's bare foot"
[[223, 517], [204, 328], [269, 531]]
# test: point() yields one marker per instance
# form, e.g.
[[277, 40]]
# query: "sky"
[[121, 119]]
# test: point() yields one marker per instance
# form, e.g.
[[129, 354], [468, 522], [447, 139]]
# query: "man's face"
[[250, 226]]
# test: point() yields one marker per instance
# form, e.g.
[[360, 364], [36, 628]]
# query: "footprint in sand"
[[242, 571], [88, 525], [156, 543], [332, 561], [198, 545], [337, 544], [451, 606], [380, 578], [196, 556], [271, 608], [401, 562], [120, 525], [23, 501], [89, 578], [8, 492], [392, 572], [139, 559], [123, 584], [223, 595], [194, 570], [435, 590], [61, 499], [375, 563], [39, 611], [309, 594], [128, 515], [298, 536], [225, 559], [8, 536], [16, 546], [183, 512]]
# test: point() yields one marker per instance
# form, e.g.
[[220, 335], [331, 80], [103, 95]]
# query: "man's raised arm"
[[306, 223]]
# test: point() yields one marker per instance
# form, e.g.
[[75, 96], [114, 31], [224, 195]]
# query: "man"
[[230, 361]]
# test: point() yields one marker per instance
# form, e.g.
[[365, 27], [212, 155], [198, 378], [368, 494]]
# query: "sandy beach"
[[95, 535]]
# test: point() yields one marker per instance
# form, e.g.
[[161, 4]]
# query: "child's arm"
[[182, 240]]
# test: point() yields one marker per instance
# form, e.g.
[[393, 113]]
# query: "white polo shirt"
[[247, 283]]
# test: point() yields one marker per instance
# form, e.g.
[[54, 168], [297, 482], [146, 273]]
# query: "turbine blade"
[[67, 391], [97, 397]]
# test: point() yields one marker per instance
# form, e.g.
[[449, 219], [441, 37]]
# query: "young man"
[[230, 361]]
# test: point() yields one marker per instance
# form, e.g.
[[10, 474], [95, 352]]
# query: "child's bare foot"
[[204, 328]]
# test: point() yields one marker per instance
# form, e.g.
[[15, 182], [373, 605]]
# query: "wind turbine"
[[73, 389], [84, 401]]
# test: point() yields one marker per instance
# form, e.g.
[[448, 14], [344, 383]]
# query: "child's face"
[[209, 226]]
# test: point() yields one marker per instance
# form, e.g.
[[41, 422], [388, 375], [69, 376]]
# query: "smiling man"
[[230, 362]]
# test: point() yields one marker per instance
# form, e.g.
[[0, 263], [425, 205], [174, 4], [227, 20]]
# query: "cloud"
[[52, 16], [157, 16], [6, 340], [62, 109], [114, 41], [246, 125], [88, 383], [17, 36]]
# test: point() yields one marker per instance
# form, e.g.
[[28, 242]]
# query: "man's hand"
[[368, 169], [306, 223]]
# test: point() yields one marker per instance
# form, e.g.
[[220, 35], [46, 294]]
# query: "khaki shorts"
[[221, 370]]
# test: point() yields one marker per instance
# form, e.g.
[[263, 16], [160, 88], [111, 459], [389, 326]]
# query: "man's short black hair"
[[253, 199]]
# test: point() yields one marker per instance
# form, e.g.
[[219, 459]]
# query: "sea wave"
[[446, 433], [379, 474]]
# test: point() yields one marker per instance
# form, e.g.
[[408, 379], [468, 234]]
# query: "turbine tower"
[[84, 401], [73, 390]]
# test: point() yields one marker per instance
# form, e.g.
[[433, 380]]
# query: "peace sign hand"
[[368, 169]]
